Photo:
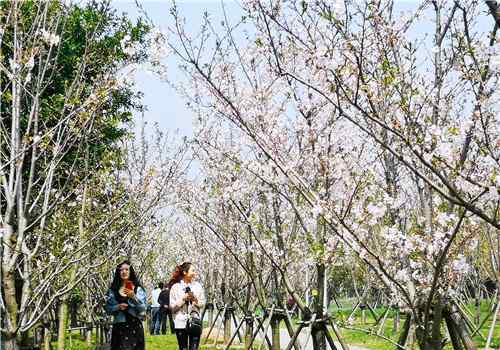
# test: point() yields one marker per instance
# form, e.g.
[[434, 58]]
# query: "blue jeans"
[[155, 320]]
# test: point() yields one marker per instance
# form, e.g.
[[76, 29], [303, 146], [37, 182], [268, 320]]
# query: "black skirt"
[[128, 335]]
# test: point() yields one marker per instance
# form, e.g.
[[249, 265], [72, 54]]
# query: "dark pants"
[[185, 341], [167, 317]]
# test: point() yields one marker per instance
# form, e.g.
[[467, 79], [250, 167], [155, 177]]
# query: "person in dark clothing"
[[126, 301], [166, 315]]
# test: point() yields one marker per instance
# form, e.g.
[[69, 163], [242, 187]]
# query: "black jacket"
[[164, 299]]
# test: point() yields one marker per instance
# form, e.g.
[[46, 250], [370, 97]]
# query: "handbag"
[[194, 326]]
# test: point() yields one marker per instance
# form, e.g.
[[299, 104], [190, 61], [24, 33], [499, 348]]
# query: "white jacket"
[[180, 309]]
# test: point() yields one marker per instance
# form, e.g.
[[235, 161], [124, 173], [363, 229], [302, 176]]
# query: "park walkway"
[[285, 338]]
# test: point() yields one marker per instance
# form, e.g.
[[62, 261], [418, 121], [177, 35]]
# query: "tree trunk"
[[248, 332], [319, 341], [47, 337], [456, 342], [436, 342], [477, 318], [88, 334], [9, 290], [10, 343], [227, 325], [318, 337], [63, 320], [275, 332]]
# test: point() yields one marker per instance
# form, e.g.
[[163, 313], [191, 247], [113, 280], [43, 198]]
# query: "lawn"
[[372, 341], [354, 337]]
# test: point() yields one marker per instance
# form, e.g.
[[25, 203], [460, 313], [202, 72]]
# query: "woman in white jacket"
[[187, 297]]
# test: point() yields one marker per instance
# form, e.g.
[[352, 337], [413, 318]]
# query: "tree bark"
[[9, 289], [47, 337], [88, 332], [248, 332], [436, 340], [227, 325], [63, 321], [10, 343], [456, 342], [275, 331], [318, 336]]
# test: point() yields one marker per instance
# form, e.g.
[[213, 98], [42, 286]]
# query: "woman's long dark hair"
[[179, 273], [117, 280]]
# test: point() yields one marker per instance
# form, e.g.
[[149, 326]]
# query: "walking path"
[[285, 338]]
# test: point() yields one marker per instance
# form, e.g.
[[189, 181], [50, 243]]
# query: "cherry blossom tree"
[[330, 100], [62, 111]]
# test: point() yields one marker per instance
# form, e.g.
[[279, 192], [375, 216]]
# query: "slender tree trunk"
[[9, 290], [275, 332], [248, 332], [477, 318], [63, 321], [410, 339], [227, 325], [47, 337], [318, 336], [88, 333]]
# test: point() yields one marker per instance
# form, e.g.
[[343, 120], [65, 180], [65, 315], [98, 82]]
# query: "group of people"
[[160, 310], [180, 301]]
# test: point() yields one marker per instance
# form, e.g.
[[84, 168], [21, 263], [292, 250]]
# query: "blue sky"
[[164, 105]]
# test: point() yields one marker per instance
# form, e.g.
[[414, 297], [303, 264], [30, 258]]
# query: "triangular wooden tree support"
[[275, 316], [314, 325], [219, 312]]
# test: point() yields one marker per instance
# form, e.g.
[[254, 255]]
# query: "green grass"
[[158, 342], [372, 341], [354, 337], [161, 342]]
